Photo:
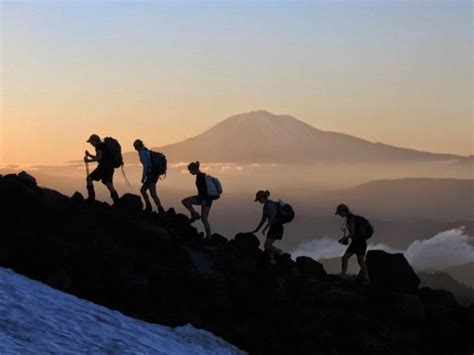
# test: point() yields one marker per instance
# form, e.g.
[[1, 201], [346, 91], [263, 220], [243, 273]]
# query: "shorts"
[[208, 200], [103, 173], [358, 247], [276, 231], [152, 177]]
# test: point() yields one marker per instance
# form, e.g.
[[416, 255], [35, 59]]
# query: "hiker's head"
[[94, 139], [342, 210], [193, 167], [262, 196], [138, 144]]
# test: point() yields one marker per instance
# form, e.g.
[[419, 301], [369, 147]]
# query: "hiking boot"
[[161, 211], [90, 193], [148, 207], [194, 218]]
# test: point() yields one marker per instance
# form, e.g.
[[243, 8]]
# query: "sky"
[[398, 72]]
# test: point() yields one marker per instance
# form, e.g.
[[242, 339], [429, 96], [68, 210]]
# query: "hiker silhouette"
[[154, 166], [274, 224], [104, 156], [209, 189], [359, 231]]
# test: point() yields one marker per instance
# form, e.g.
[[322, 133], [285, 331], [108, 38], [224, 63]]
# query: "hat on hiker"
[[341, 208], [93, 138], [260, 194]]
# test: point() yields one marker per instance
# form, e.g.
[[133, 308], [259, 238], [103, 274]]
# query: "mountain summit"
[[263, 137]]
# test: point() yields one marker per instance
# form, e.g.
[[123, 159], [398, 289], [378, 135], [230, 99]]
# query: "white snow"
[[36, 319]]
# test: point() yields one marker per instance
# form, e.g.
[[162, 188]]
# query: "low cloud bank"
[[446, 249]]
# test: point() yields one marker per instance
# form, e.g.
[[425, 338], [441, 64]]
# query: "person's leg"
[[363, 267], [90, 189], [205, 209], [188, 203], [156, 199], [143, 191], [93, 176], [113, 193], [270, 249], [345, 261]]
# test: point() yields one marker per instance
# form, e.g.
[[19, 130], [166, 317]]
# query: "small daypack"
[[214, 187], [114, 151], [159, 163], [286, 213], [364, 228]]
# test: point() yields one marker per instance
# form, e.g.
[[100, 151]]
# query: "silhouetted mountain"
[[159, 269], [462, 273], [436, 199], [441, 280], [262, 137]]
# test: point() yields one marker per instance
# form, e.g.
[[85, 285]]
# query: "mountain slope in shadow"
[[159, 269]]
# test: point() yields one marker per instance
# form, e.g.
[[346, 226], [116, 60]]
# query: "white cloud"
[[446, 249]]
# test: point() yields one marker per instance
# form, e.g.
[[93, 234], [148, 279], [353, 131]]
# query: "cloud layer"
[[446, 249]]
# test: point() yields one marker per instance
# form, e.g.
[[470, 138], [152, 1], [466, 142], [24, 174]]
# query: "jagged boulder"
[[77, 197], [440, 297], [391, 272], [27, 179], [310, 268], [246, 242], [130, 202]]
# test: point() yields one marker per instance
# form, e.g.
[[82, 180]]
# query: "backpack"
[[364, 228], [214, 187], [286, 213], [159, 163], [114, 151]]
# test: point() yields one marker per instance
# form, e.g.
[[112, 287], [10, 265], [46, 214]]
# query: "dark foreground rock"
[[159, 269], [391, 272]]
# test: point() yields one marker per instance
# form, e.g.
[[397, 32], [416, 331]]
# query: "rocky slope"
[[159, 269]]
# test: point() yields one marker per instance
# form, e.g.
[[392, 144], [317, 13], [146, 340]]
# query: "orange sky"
[[398, 73]]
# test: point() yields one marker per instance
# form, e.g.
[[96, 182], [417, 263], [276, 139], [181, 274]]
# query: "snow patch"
[[37, 319]]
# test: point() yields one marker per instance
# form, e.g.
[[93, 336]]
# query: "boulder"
[[391, 272], [77, 197], [310, 268], [27, 179], [246, 242], [441, 297], [130, 202]]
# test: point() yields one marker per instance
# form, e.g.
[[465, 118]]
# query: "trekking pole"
[[125, 176]]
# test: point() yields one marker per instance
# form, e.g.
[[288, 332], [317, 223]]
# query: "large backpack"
[[159, 163], [364, 228], [114, 151], [214, 187], [286, 213]]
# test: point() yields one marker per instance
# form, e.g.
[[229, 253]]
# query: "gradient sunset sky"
[[399, 72]]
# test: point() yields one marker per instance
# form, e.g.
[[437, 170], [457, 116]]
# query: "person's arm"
[[261, 223], [144, 159], [351, 229], [89, 158]]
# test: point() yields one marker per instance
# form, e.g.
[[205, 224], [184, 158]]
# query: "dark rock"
[[311, 268], [246, 242], [77, 197], [441, 297], [391, 272], [27, 179], [130, 202]]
